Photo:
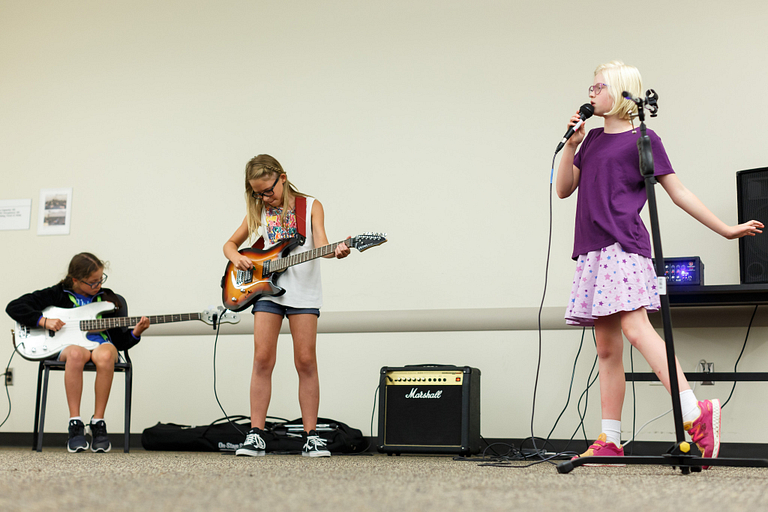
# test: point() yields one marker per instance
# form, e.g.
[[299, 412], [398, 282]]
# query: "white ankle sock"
[[689, 405], [95, 420], [78, 418], [612, 430]]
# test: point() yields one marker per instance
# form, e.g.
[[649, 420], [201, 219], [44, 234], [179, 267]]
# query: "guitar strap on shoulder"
[[301, 220], [98, 299]]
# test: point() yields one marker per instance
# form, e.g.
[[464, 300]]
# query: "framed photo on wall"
[[55, 211]]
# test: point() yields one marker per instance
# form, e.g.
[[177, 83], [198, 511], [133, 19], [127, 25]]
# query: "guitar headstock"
[[221, 316], [366, 241]]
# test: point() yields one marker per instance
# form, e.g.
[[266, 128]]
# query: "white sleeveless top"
[[302, 282]]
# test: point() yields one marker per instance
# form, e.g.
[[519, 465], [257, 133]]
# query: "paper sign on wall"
[[15, 214]]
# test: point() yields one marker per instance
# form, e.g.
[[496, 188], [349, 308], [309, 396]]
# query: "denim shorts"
[[267, 306]]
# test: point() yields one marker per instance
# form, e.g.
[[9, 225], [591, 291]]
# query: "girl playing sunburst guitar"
[[277, 211], [82, 286]]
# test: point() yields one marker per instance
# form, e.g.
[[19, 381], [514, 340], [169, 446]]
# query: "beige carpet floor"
[[168, 481]]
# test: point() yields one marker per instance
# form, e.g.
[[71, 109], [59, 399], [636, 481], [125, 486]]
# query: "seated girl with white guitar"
[[80, 287]]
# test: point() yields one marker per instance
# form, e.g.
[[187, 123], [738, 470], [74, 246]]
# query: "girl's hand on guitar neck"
[[52, 324], [341, 251], [141, 326]]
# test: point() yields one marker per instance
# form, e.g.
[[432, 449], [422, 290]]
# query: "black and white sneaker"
[[314, 445], [254, 445], [77, 441], [99, 438]]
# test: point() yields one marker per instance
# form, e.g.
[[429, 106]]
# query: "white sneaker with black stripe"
[[314, 445], [254, 445]]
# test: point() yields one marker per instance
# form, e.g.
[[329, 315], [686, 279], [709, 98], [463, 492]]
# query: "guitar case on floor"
[[228, 434]]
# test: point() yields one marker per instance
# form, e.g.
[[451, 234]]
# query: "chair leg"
[[128, 394], [37, 405], [42, 411]]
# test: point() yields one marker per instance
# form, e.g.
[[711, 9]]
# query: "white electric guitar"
[[38, 343]]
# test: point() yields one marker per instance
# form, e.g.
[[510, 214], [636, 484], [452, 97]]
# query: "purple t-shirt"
[[612, 191]]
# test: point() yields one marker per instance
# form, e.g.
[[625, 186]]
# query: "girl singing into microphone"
[[614, 287]]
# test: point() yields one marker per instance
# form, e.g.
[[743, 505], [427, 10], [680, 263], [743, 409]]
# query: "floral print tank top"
[[275, 229]]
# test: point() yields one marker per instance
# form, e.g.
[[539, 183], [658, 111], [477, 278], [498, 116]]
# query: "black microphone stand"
[[682, 454]]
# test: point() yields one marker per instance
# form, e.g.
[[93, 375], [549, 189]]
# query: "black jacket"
[[28, 309]]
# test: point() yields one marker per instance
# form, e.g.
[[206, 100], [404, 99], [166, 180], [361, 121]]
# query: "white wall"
[[432, 121]]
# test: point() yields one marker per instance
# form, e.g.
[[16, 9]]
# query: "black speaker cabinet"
[[429, 409], [752, 196]]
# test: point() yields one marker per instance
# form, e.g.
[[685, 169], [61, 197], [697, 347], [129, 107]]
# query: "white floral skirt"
[[608, 281]]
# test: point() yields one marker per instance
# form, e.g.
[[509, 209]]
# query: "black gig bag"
[[285, 437], [219, 436]]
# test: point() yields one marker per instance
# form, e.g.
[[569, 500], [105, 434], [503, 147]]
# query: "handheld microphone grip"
[[585, 112]]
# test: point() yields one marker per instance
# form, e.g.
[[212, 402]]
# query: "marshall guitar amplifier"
[[429, 409]]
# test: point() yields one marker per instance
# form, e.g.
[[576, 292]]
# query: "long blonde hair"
[[619, 77], [265, 166]]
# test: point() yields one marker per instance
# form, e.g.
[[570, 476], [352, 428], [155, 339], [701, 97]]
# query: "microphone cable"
[[541, 306]]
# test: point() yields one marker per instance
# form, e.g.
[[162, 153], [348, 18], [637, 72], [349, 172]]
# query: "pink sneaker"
[[601, 448], [705, 430]]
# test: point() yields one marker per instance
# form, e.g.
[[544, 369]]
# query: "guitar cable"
[[8, 393], [215, 393]]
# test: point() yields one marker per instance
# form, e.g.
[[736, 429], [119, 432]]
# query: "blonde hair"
[[259, 167], [619, 78]]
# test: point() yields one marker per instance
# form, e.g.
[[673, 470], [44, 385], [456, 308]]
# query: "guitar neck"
[[281, 264], [101, 324]]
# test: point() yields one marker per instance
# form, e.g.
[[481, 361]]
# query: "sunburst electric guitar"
[[36, 343], [241, 288]]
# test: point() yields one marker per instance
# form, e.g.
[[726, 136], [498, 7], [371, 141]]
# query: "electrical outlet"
[[706, 367], [9, 377]]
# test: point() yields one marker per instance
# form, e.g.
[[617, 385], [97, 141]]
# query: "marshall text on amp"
[[429, 409]]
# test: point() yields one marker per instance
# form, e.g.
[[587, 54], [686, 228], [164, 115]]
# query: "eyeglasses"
[[97, 283], [267, 193], [597, 88]]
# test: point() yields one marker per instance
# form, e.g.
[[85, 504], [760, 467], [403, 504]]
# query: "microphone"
[[585, 112]]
